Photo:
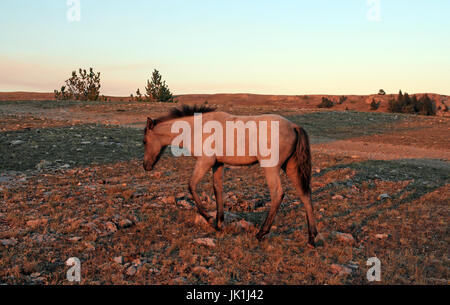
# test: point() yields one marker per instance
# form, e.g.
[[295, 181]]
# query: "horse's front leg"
[[201, 167], [276, 196], [218, 192]]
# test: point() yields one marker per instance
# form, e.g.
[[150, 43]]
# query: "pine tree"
[[157, 90]]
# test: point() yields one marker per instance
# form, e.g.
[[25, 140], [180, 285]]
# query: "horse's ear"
[[150, 123]]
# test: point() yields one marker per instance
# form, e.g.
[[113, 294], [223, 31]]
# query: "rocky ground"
[[72, 185]]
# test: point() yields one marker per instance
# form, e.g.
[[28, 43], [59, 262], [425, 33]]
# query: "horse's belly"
[[236, 160]]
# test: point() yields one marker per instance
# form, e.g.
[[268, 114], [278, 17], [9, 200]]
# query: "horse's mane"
[[184, 111]]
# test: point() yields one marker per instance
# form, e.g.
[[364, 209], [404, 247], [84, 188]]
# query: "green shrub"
[[342, 99], [374, 105], [326, 103], [406, 104], [83, 86]]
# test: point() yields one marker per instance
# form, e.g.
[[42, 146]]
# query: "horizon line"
[[244, 93]]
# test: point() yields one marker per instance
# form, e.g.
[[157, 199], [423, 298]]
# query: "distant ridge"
[[353, 102]]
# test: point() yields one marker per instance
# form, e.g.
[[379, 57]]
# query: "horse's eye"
[[145, 142]]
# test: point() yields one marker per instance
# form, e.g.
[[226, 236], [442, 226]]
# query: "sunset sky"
[[217, 46]]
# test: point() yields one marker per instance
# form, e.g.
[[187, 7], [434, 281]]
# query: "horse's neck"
[[163, 131]]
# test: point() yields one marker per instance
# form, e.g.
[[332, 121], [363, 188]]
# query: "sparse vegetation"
[[139, 96], [157, 90], [326, 103], [83, 86], [342, 99], [374, 105], [407, 104]]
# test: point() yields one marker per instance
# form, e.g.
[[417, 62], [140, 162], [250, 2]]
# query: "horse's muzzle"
[[147, 166]]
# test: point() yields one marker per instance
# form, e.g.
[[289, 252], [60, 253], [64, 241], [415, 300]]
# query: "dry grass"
[[81, 202]]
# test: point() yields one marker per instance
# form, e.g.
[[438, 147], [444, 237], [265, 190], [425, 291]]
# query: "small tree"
[[374, 105], [139, 95], [82, 86], [381, 92], [157, 89], [342, 99]]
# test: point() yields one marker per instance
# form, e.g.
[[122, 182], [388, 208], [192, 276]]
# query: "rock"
[[75, 238], [37, 222], [17, 142], [200, 270], [65, 166], [340, 269], [200, 220], [169, 199], [337, 197], [43, 164], [111, 227], [384, 196], [381, 236], [35, 274], [230, 217], [40, 238], [208, 242], [243, 225], [91, 226], [345, 237], [181, 280], [156, 175], [353, 265], [125, 223], [89, 246], [85, 142], [154, 270], [131, 270], [118, 260], [137, 262], [8, 242], [180, 195], [185, 205]]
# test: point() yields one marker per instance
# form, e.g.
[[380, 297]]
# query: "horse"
[[294, 156]]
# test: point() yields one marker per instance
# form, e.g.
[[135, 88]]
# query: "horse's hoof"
[[218, 227], [311, 244], [260, 236]]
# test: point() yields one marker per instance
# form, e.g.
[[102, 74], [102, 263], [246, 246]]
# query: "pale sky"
[[230, 46]]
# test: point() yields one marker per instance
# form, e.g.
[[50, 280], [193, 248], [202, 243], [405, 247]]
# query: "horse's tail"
[[303, 157]]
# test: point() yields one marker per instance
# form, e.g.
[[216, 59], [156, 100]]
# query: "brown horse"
[[293, 154]]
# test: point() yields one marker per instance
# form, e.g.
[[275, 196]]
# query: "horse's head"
[[152, 146]]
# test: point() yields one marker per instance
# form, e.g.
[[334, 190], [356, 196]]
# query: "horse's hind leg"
[[201, 167], [276, 196], [218, 192], [292, 172]]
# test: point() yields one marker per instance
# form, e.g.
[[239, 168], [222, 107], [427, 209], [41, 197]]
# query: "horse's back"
[[283, 133]]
